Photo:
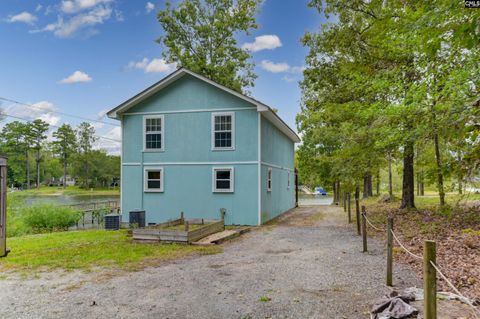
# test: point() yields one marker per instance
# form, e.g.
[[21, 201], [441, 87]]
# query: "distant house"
[[192, 145]]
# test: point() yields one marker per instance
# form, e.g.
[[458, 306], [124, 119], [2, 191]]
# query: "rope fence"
[[405, 248], [430, 268], [458, 293]]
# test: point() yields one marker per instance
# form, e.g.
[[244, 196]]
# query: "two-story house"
[[192, 145]]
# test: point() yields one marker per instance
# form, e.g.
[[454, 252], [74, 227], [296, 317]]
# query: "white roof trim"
[[265, 109]]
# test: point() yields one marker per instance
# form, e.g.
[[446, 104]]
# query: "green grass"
[[264, 299], [70, 190], [92, 248]]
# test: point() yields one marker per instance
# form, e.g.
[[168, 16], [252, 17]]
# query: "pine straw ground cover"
[[455, 230]]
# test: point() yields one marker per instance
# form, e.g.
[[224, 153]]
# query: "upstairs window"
[[223, 180], [153, 179], [153, 131], [269, 180], [223, 131]]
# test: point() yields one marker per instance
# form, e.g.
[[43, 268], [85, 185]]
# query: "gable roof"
[[266, 111]]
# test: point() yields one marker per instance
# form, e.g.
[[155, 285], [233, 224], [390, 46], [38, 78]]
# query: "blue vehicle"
[[320, 191]]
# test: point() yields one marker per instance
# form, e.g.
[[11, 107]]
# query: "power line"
[[57, 112], [56, 126]]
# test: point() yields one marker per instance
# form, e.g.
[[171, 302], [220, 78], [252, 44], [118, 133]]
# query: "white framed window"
[[269, 179], [153, 179], [223, 131], [288, 180], [223, 180], [153, 133]]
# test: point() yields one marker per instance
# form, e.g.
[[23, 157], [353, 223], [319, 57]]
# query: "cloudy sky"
[[84, 57]]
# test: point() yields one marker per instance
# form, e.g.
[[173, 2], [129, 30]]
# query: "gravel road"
[[308, 264]]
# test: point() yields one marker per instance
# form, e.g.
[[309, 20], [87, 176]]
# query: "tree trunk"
[[367, 186], [438, 160], [27, 159], [390, 180], [378, 184], [38, 169], [408, 184], [64, 172], [334, 187]]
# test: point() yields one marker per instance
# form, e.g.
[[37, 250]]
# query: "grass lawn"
[[90, 248], [70, 190]]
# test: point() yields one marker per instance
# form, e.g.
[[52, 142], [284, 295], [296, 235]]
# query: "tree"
[[86, 138], [65, 145], [37, 130], [401, 77], [15, 145], [201, 35]]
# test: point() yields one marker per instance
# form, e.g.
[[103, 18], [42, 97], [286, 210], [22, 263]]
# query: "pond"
[[306, 200]]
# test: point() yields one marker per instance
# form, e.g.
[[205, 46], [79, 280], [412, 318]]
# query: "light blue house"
[[194, 146]]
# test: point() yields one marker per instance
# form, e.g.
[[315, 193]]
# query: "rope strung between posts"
[[404, 248], [459, 294], [371, 225]]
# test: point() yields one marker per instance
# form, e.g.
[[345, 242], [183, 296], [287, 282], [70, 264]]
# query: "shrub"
[[48, 217]]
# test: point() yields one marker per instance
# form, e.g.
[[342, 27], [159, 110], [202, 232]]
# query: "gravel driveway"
[[308, 264]]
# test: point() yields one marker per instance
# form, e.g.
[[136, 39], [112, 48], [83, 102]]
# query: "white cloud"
[[149, 7], [152, 66], [65, 28], [274, 67], [110, 146], [24, 17], [73, 6], [263, 42], [289, 79], [38, 8], [41, 110], [280, 67], [76, 77]]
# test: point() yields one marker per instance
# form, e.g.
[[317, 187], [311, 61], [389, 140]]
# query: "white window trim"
[[288, 179], [269, 179], [162, 132], [214, 114], [214, 179], [145, 179]]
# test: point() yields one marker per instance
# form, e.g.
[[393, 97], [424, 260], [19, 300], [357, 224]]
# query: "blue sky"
[[84, 57]]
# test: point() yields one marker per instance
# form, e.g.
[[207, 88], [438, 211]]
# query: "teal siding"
[[188, 139], [187, 159], [277, 154], [189, 93], [188, 188]]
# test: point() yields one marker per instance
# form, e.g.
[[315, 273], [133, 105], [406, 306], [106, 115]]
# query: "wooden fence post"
[[182, 216], [349, 209], [364, 230], [429, 280], [186, 225], [357, 210], [344, 200], [3, 207], [389, 252]]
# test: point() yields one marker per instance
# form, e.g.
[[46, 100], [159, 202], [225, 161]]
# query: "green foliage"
[[385, 79], [201, 35], [48, 217]]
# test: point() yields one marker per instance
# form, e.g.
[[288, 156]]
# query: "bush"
[[47, 217]]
